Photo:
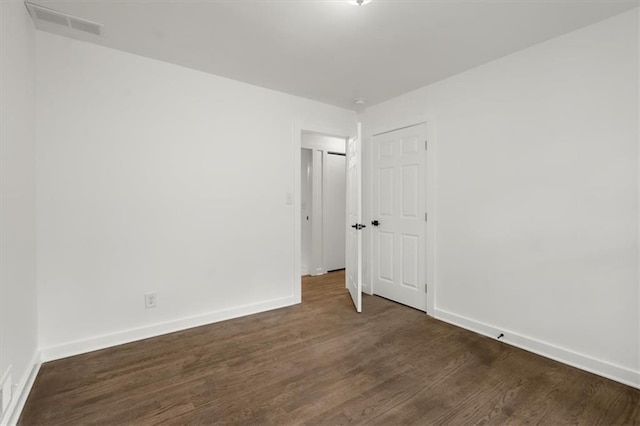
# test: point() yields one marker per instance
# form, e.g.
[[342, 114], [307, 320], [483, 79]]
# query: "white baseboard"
[[574, 359], [12, 415], [83, 346]]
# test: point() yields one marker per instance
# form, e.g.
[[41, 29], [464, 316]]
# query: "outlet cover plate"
[[150, 300]]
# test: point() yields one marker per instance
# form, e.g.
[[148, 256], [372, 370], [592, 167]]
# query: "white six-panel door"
[[353, 276], [399, 205]]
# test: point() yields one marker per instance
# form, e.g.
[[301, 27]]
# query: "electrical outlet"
[[150, 300]]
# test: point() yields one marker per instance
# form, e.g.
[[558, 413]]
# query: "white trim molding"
[[108, 340], [565, 356], [12, 415]]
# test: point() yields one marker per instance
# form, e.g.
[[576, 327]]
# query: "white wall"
[[154, 177], [537, 195], [18, 316]]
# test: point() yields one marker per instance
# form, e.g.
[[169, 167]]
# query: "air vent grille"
[[50, 16], [86, 26], [39, 13]]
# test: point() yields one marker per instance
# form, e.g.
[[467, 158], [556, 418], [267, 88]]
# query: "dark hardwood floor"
[[321, 363]]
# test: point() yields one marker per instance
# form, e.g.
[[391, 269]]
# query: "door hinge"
[[426, 217], [425, 288], [426, 143]]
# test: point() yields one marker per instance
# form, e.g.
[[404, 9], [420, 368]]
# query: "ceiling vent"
[[43, 14]]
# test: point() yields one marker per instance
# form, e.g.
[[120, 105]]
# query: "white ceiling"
[[332, 51]]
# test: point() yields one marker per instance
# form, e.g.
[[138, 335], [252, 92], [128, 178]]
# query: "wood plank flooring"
[[320, 363]]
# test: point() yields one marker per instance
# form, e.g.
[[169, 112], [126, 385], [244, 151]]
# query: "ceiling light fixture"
[[359, 2]]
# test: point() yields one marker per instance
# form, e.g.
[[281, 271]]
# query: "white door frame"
[[430, 188], [298, 128]]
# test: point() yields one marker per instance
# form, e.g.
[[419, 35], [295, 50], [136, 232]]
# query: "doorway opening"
[[347, 142], [322, 203]]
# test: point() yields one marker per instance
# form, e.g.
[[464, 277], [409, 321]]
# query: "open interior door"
[[353, 276]]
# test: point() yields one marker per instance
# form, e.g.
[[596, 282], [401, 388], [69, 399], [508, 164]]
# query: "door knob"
[[375, 223]]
